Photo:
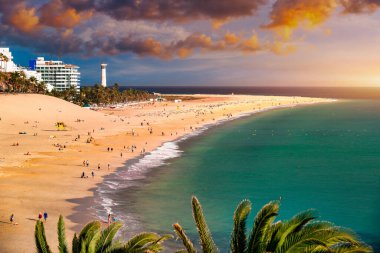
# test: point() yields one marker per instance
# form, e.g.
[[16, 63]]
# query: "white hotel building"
[[7, 65], [56, 73]]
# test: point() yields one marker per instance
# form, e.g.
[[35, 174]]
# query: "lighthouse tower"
[[104, 78]]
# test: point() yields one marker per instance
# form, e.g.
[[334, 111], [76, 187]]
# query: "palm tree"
[[299, 234], [5, 59], [41, 87], [33, 84], [92, 239]]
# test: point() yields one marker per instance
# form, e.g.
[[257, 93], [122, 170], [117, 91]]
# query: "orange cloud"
[[56, 14], [217, 23], [231, 38], [184, 52], [250, 45], [152, 46], [281, 48], [23, 18], [287, 15]]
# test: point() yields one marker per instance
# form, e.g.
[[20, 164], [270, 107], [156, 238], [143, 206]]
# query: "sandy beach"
[[41, 167]]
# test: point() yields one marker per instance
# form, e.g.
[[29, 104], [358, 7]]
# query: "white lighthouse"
[[104, 78]]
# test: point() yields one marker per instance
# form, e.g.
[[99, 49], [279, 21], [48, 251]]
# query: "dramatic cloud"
[[156, 27], [178, 10], [287, 15], [19, 16], [56, 14], [182, 48]]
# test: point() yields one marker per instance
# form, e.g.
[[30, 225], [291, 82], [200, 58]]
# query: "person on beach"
[[121, 154], [40, 216], [45, 215], [98, 166], [82, 175], [12, 218], [87, 163], [84, 163], [93, 174], [108, 166], [109, 219]]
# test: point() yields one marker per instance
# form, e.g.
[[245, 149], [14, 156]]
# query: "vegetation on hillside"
[[300, 234], [17, 82]]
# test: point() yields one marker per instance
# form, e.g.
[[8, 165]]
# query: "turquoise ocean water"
[[325, 157]]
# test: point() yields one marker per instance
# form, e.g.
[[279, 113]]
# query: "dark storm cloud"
[[179, 10], [360, 6]]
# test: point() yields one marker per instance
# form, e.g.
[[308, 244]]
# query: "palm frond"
[[259, 237], [207, 242], [62, 244], [40, 238], [185, 240], [294, 225], [75, 244], [238, 242], [311, 237], [141, 240], [273, 231], [141, 243], [321, 237], [107, 236], [156, 246], [350, 248], [89, 236], [164, 238]]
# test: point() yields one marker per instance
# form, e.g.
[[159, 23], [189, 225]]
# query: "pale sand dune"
[[48, 177]]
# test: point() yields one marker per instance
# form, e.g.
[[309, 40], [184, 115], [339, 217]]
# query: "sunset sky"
[[202, 42]]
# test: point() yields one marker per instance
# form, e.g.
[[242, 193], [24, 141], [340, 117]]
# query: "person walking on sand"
[[98, 166], [87, 163], [12, 218], [45, 215], [93, 174], [40, 216]]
